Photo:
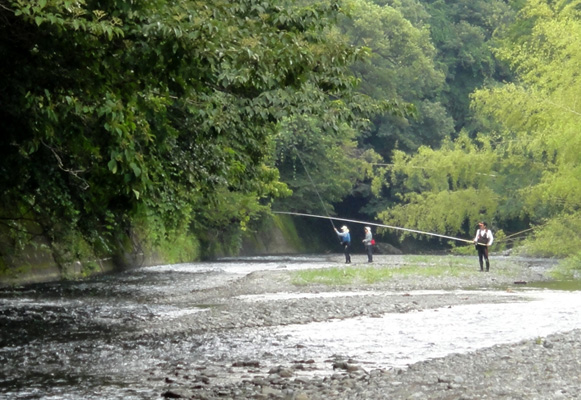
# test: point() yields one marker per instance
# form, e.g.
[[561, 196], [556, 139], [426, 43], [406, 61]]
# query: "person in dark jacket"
[[483, 240], [345, 239]]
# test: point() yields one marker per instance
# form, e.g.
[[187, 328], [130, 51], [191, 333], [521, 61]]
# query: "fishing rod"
[[518, 233], [415, 167], [374, 224]]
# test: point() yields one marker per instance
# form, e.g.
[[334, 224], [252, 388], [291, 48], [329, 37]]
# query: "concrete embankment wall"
[[277, 235]]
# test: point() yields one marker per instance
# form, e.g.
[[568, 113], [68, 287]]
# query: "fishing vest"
[[483, 238]]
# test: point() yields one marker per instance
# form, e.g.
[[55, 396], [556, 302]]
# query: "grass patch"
[[499, 266], [410, 267], [414, 267]]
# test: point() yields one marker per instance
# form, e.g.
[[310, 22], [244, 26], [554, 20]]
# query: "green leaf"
[[136, 169], [112, 165]]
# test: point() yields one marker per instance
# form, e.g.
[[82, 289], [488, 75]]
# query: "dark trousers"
[[347, 255], [483, 256], [369, 251]]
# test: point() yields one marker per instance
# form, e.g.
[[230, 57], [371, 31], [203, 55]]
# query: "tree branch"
[[74, 173]]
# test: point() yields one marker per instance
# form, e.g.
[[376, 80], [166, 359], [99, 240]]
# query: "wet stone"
[[260, 322]]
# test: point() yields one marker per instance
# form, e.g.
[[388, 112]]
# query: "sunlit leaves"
[[68, 14], [444, 212], [527, 166], [541, 123], [442, 190]]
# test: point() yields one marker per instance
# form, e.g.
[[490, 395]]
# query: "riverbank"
[[539, 368]]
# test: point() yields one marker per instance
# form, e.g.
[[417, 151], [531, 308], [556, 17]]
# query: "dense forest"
[[183, 124]]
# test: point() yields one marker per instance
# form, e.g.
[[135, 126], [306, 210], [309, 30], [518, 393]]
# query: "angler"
[[483, 240]]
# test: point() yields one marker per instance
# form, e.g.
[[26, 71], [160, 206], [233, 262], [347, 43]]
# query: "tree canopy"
[[116, 112], [522, 168]]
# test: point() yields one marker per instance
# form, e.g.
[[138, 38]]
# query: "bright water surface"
[[76, 340]]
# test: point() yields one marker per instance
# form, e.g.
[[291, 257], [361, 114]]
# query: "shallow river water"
[[73, 340]]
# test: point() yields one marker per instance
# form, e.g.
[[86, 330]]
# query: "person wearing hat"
[[368, 244], [483, 240], [345, 239]]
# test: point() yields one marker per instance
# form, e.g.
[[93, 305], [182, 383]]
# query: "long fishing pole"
[[314, 186], [374, 224], [518, 233]]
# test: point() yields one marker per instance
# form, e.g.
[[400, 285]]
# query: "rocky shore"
[[542, 368]]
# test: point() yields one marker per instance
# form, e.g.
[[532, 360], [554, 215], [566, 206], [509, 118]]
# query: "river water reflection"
[[75, 340]]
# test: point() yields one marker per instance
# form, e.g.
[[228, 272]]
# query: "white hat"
[[368, 228], [344, 228]]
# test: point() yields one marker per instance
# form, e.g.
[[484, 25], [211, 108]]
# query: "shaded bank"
[[272, 235]]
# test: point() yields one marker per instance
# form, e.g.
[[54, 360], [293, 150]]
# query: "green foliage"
[[464, 31], [540, 127], [396, 71], [432, 54], [117, 110], [569, 268], [443, 191], [285, 224], [319, 167], [525, 167], [370, 275], [322, 162], [223, 219], [556, 238], [401, 68], [179, 248]]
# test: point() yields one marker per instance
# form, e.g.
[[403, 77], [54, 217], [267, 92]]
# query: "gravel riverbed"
[[541, 368]]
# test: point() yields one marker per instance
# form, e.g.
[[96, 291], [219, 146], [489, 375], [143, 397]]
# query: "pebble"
[[543, 368]]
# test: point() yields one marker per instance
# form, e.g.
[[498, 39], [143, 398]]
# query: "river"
[[77, 340]]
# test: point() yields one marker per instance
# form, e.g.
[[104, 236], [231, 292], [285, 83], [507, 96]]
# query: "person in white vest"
[[483, 240]]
